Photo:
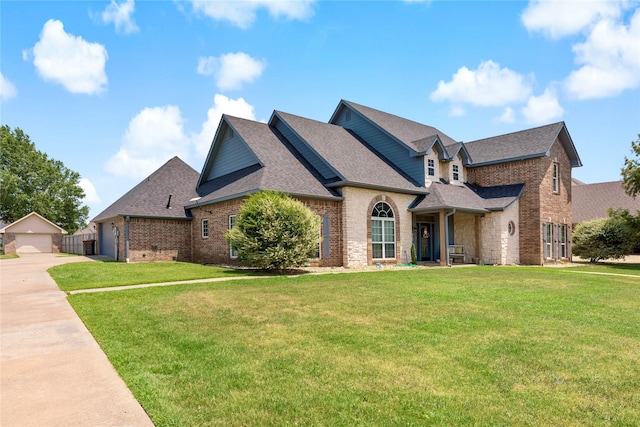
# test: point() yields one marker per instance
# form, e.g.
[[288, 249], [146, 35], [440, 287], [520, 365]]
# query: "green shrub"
[[602, 239], [274, 231]]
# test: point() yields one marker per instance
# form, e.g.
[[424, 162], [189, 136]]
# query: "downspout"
[[446, 237], [126, 238]]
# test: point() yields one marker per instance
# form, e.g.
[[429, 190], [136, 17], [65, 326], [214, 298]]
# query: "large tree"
[[631, 170], [32, 182]]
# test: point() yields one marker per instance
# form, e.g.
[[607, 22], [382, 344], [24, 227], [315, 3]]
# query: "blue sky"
[[114, 89]]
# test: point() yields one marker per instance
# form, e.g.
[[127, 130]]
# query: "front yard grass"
[[470, 346], [103, 274]]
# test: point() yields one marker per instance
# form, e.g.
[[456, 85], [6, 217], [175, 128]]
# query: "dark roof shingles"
[[150, 197], [591, 201]]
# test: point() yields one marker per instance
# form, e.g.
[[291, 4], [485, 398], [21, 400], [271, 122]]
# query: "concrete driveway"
[[52, 372]]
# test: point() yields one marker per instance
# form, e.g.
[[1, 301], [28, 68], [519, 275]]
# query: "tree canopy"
[[604, 238], [631, 170], [274, 231], [30, 181]]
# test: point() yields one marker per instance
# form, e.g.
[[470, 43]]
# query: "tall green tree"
[[32, 182], [631, 170]]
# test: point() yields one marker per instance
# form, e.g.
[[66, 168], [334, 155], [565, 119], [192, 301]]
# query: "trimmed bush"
[[603, 239], [274, 231]]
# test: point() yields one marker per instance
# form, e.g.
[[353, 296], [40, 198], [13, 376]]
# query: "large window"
[[383, 232], [205, 228], [233, 252], [556, 178]]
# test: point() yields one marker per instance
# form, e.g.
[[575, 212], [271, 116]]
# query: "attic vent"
[[347, 115]]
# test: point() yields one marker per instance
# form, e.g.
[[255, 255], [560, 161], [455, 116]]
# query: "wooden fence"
[[75, 244]]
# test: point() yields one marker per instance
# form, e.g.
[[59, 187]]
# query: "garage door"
[[33, 243]]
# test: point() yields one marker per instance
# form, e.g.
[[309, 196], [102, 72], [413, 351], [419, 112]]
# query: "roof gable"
[[228, 153], [163, 194], [278, 168], [33, 223], [354, 162], [525, 144], [407, 132]]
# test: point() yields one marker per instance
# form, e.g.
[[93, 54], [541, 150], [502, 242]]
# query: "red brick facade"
[[153, 239], [215, 249], [538, 203]]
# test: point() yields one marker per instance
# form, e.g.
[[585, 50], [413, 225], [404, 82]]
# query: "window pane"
[[389, 250], [376, 231], [377, 250], [389, 232]]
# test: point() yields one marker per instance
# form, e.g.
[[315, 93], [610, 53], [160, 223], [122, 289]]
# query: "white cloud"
[[488, 86], [231, 70], [560, 18], [153, 136], [543, 109], [242, 14], [90, 193], [7, 89], [69, 60], [120, 14], [221, 105], [610, 59], [157, 134], [508, 116]]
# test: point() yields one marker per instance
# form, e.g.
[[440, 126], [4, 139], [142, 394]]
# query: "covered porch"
[[447, 236]]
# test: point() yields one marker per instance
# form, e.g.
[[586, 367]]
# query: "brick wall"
[[538, 203], [153, 239], [215, 248], [9, 242]]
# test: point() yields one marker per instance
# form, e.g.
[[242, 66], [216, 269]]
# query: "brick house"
[[380, 183]]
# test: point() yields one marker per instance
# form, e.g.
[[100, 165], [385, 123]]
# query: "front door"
[[425, 242]]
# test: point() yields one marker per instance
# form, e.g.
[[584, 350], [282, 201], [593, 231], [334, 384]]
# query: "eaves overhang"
[[369, 186]]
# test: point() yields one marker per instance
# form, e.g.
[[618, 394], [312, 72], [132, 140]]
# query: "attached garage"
[[32, 234]]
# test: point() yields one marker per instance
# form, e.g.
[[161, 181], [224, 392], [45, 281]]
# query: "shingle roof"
[[591, 201], [279, 170], [407, 131], [529, 143], [348, 156], [150, 197], [468, 198]]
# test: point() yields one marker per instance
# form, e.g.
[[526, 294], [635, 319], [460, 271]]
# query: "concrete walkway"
[[52, 371]]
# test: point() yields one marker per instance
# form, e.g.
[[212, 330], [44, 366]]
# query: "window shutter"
[[326, 246]]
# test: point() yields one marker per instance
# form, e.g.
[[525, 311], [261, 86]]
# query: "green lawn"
[[467, 346], [103, 274]]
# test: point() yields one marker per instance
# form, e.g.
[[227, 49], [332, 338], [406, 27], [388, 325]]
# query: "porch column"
[[478, 218], [443, 239]]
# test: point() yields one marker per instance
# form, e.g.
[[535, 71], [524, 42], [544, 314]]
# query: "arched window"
[[383, 232]]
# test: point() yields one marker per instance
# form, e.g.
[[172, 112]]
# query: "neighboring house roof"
[[525, 144], [163, 194], [414, 135], [591, 201], [30, 217], [89, 229], [279, 167], [354, 163], [468, 198]]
